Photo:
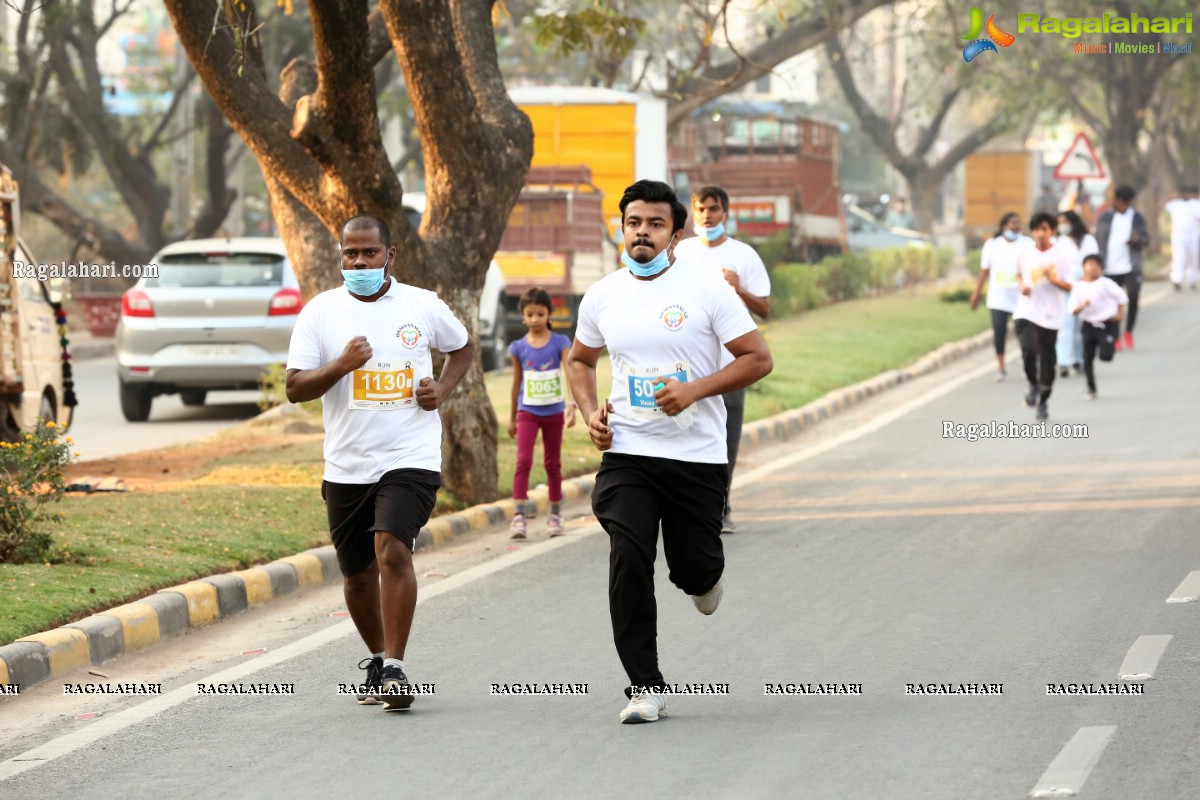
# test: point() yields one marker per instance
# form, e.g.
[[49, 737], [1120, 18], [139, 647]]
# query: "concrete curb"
[[146, 622]]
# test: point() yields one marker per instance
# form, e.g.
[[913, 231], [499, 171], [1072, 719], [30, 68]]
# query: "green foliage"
[[958, 294], [974, 255], [803, 287], [597, 29], [774, 250], [34, 466], [272, 384]]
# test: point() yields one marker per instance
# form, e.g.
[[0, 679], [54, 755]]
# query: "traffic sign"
[[1080, 161]]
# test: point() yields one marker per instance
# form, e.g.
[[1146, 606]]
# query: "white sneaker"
[[644, 707], [707, 603]]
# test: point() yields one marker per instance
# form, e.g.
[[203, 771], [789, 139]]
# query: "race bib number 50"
[[642, 385], [383, 386]]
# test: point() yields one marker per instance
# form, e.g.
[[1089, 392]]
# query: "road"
[[100, 431], [873, 552]]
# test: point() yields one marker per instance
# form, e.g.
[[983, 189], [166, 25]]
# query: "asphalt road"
[[100, 431], [874, 551]]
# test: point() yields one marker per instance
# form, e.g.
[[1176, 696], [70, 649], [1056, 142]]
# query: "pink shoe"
[[1128, 340], [518, 527], [554, 525]]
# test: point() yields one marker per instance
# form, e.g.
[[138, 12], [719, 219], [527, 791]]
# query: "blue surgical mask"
[[365, 282], [712, 234], [1012, 236], [650, 268]]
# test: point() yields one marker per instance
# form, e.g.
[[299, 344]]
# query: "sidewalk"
[[146, 622]]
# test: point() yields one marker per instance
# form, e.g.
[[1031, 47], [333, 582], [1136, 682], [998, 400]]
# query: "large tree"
[[906, 123], [318, 142]]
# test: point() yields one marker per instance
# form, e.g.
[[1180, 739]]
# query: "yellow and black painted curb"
[[146, 622]]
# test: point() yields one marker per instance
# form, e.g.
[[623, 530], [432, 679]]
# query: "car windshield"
[[187, 270]]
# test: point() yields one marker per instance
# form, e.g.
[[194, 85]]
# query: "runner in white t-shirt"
[[739, 264], [364, 348], [1184, 208], [1074, 238], [1039, 312], [662, 426], [998, 269], [1099, 302]]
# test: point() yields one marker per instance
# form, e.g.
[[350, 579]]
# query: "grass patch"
[[263, 504], [114, 548]]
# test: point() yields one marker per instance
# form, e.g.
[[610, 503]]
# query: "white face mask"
[[1011, 235], [1064, 229]]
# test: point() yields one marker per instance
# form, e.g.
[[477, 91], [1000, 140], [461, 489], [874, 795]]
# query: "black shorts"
[[399, 503]]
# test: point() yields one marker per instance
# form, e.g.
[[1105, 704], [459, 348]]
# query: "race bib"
[[380, 386], [642, 384], [543, 388]]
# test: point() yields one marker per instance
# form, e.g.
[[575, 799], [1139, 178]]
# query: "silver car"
[[218, 314]]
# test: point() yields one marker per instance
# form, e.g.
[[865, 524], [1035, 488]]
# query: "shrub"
[[34, 467], [272, 385], [796, 288]]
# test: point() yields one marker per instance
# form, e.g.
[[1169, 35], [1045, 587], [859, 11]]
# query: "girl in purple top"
[[538, 403]]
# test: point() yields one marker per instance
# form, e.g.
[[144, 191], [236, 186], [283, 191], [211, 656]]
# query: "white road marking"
[[1142, 659], [1188, 591], [1070, 769], [108, 725]]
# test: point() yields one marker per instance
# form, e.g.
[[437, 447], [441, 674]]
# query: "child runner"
[[998, 269], [538, 403], [1100, 304], [1039, 311]]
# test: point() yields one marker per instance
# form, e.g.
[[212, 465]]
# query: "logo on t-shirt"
[[673, 317], [409, 335]]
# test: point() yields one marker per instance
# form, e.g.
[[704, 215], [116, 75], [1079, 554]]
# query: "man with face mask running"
[[365, 349], [662, 428], [738, 263]]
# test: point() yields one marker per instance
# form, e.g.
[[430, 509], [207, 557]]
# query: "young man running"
[[739, 265], [365, 349], [1124, 237], [662, 428], [1041, 268]]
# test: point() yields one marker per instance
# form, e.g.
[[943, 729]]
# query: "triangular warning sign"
[[1079, 162]]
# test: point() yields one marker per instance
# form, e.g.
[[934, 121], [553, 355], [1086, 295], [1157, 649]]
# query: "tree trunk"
[[923, 187], [469, 425]]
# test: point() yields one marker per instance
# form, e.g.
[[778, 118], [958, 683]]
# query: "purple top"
[[540, 359]]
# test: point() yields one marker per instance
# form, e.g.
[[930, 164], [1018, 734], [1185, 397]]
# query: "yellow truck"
[[564, 231], [997, 183], [32, 380]]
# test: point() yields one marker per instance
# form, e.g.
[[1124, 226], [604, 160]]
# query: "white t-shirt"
[[385, 429], [681, 319], [1185, 219], [1044, 305], [1000, 257], [1077, 252], [1116, 260], [1105, 295], [729, 254]]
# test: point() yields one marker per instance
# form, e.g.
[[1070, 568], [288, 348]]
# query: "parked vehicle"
[[493, 334], [864, 233], [219, 313], [556, 239], [781, 172], [31, 357], [997, 183]]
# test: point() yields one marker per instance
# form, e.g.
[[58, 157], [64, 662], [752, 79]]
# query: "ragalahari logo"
[[994, 33]]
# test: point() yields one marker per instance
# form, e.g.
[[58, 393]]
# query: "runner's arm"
[[752, 362], [581, 376], [516, 391], [302, 385], [758, 305]]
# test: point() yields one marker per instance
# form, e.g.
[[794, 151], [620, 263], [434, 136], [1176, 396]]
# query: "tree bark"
[[320, 147]]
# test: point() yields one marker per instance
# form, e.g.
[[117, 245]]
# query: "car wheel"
[[135, 402], [193, 397], [46, 410]]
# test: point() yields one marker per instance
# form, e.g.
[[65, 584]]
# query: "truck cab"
[[31, 371]]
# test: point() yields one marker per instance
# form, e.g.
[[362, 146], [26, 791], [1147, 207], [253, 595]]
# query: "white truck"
[[31, 357]]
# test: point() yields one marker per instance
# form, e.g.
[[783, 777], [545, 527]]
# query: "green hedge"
[[802, 287]]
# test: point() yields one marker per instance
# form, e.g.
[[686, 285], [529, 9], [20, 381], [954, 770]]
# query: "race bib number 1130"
[[380, 386]]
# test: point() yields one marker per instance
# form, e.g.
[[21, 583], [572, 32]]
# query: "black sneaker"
[[1031, 396], [1042, 412], [395, 691], [373, 680]]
